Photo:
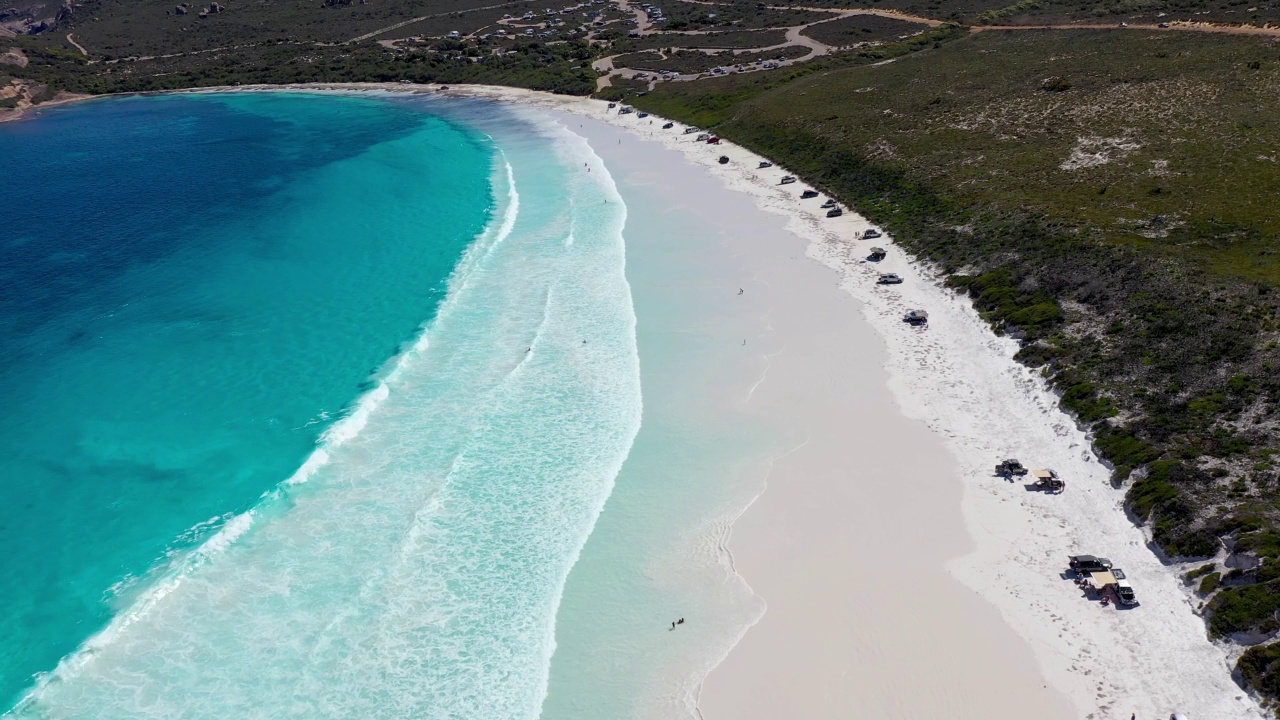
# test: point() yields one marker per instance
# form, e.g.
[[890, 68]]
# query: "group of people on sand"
[[674, 623]]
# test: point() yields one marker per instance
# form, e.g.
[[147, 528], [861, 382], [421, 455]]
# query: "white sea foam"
[[185, 559]]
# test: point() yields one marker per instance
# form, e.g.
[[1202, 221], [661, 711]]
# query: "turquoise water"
[[195, 289], [230, 280]]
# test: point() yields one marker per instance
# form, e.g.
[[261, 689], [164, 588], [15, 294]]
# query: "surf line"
[[348, 426]]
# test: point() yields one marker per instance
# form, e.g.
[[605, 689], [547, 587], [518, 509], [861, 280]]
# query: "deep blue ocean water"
[[194, 288], [314, 401]]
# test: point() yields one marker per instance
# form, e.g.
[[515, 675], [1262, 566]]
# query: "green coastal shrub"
[[1210, 583], [1200, 571], [1155, 491], [1260, 669], [1018, 8], [1082, 399], [1263, 543], [999, 296], [1244, 608], [1121, 447], [1036, 315]]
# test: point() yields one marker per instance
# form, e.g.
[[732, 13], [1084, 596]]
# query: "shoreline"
[[24, 112], [1154, 659], [865, 614]]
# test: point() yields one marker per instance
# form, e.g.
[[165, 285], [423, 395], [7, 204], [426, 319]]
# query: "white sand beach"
[[896, 576], [902, 579], [861, 615]]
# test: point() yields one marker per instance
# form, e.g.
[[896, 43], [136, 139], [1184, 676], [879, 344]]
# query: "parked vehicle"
[[1109, 584], [1010, 468], [871, 234], [668, 126], [787, 179], [613, 105], [1124, 592], [1088, 563], [828, 204], [703, 137], [808, 194], [724, 160], [690, 130], [1048, 480], [643, 115], [889, 279], [713, 140], [916, 317], [765, 164], [835, 212], [877, 254]]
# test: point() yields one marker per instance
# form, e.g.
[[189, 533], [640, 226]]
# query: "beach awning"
[[1042, 474], [878, 251], [1103, 579]]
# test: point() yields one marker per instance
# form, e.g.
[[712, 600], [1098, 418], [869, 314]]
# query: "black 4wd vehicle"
[[1089, 563], [1011, 467]]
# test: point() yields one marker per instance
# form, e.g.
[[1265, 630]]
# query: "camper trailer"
[[1049, 481]]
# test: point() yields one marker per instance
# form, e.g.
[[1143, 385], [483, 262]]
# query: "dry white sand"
[[902, 580], [878, 606], [861, 613]]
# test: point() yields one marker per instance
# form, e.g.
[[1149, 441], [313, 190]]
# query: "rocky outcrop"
[[13, 56], [26, 20], [65, 13], [17, 96], [20, 96]]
